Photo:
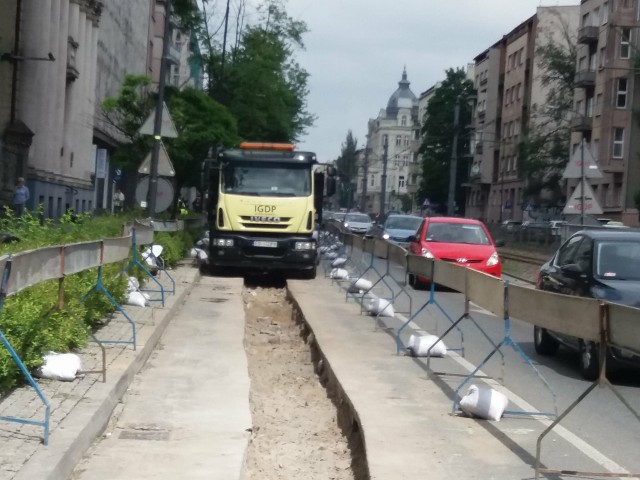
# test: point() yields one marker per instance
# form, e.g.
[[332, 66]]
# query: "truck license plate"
[[263, 243]]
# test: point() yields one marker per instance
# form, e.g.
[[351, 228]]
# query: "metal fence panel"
[[355, 242], [168, 225], [368, 244], [420, 265], [450, 275], [486, 291], [624, 327], [81, 256], [34, 266], [575, 316], [116, 249], [398, 255], [380, 248], [144, 234]]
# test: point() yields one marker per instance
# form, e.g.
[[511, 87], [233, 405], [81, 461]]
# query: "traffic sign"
[[574, 167], [164, 193], [165, 167], [167, 129], [575, 203]]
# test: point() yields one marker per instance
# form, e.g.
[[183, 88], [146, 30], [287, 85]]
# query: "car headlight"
[[426, 253], [493, 259], [346, 225], [223, 242], [385, 235], [305, 246]]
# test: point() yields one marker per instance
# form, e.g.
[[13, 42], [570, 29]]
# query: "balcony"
[[585, 79], [173, 55], [581, 123], [588, 34]]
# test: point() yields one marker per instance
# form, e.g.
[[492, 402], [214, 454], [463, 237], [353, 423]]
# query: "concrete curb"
[[89, 419]]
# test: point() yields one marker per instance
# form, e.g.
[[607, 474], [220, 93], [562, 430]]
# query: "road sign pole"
[[157, 127], [582, 182]]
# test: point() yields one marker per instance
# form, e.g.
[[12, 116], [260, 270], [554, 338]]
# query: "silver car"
[[357, 223]]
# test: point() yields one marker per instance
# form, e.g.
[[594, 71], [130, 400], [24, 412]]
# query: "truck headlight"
[[385, 236], [223, 242], [305, 246]]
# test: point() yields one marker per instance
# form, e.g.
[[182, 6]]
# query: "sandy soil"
[[295, 431]]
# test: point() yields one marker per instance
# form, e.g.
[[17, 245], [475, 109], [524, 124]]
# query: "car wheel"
[[543, 342], [589, 365]]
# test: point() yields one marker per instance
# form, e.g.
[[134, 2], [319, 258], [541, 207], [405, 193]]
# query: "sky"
[[356, 51]]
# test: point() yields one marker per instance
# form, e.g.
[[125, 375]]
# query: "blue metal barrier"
[[47, 406], [136, 262]]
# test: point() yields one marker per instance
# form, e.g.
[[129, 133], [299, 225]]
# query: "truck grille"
[[280, 223]]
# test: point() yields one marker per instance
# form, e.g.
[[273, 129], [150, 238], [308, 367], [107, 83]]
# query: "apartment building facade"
[[608, 39], [509, 85]]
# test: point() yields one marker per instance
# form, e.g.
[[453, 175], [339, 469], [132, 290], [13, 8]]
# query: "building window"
[[618, 142], [401, 182], [398, 140], [621, 93], [625, 43], [384, 140], [403, 121], [603, 57], [405, 160], [604, 13], [406, 140], [373, 180]]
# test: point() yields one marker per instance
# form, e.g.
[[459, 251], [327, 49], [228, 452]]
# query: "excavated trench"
[[303, 426]]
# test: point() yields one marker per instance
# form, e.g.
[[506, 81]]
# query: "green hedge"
[[30, 320]]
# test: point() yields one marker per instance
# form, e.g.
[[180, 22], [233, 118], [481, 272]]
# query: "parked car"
[[358, 223], [461, 240], [511, 225], [556, 227], [602, 264], [397, 229]]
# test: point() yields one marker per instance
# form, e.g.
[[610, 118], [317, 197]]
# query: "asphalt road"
[[599, 435]]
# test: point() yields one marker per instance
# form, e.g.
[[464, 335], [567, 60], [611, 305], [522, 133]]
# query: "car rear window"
[[457, 233], [360, 218], [403, 223]]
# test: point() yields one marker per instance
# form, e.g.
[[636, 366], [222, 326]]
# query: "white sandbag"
[[193, 253], [331, 255], [339, 262], [360, 285], [132, 284], [419, 346], [136, 299], [381, 307], [59, 366], [146, 296], [339, 273], [151, 254], [484, 402], [202, 255]]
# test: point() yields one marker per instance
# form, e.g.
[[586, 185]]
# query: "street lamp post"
[[582, 181], [453, 166], [383, 177]]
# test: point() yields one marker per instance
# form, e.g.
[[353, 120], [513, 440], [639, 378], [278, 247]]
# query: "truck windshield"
[[267, 179]]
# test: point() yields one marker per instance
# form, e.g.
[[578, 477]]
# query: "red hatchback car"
[[461, 240]]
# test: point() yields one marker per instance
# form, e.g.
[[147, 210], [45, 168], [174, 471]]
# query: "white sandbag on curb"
[[339, 262], [381, 307], [339, 273], [193, 253], [132, 284], [151, 254], [360, 285], [59, 366], [419, 346], [202, 255], [484, 402], [136, 299]]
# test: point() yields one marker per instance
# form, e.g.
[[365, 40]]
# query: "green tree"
[[201, 123], [544, 148], [259, 80], [347, 170], [438, 133]]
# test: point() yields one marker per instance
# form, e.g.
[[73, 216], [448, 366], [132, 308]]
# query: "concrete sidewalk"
[[81, 409]]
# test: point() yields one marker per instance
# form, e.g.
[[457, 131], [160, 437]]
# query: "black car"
[[597, 264]]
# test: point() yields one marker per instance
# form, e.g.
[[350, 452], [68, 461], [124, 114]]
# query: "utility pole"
[[582, 182], [157, 127], [363, 200], [453, 166], [383, 178]]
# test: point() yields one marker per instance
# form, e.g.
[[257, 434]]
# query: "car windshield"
[[403, 223], [618, 260], [266, 179], [457, 233], [357, 218]]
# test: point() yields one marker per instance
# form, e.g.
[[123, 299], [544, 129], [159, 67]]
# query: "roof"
[[403, 97], [612, 234], [241, 155], [454, 220]]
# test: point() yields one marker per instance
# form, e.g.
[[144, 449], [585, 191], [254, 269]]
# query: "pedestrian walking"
[[20, 197], [118, 201]]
